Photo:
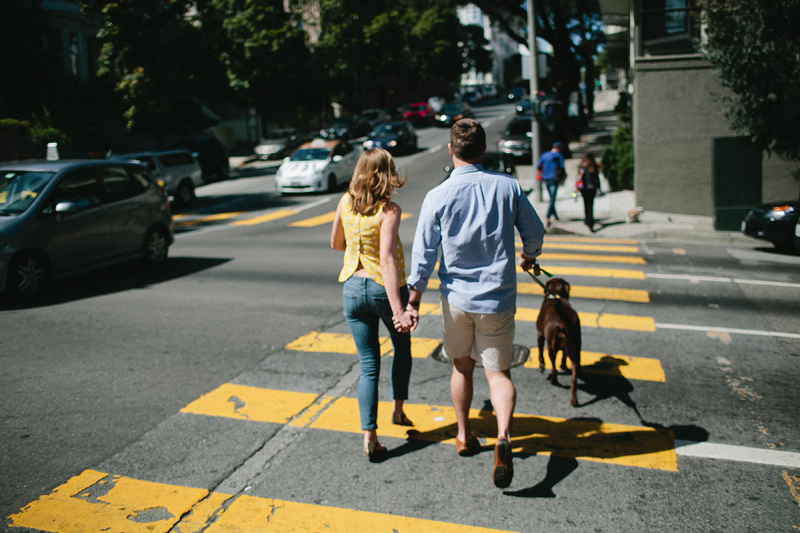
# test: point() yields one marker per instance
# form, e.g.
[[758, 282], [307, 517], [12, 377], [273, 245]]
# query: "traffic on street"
[[219, 392]]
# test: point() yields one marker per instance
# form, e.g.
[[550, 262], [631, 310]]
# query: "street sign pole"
[[534, 92]]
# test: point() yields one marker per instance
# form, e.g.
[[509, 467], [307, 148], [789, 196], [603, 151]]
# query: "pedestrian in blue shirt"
[[472, 217], [551, 165]]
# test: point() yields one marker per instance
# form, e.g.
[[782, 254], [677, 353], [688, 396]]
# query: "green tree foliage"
[[154, 55], [618, 160], [264, 52], [754, 48], [389, 48]]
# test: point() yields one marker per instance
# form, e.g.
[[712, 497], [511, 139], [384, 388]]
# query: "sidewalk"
[[610, 210]]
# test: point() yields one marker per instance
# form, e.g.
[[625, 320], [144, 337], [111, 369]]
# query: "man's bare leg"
[[461, 392], [504, 397]]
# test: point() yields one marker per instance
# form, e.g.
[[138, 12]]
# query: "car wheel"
[[28, 277], [185, 193], [332, 183], [156, 247]]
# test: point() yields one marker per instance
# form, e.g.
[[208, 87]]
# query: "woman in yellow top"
[[365, 228]]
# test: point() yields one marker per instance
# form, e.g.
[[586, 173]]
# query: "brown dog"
[[559, 325]]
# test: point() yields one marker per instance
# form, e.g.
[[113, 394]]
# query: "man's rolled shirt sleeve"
[[425, 250]]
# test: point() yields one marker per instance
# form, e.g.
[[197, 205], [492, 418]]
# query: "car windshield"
[[452, 109], [311, 154], [519, 127], [18, 189], [385, 129]]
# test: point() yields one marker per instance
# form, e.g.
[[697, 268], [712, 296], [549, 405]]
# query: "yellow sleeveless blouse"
[[362, 236]]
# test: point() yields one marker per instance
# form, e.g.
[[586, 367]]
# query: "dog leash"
[[547, 292]]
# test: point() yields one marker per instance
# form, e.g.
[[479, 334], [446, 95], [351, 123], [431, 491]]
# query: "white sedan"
[[317, 166]]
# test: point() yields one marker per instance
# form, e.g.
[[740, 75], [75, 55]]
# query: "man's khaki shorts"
[[488, 338]]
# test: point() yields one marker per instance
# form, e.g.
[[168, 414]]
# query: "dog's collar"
[[551, 296]]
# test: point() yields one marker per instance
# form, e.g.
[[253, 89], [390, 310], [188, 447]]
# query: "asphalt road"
[[219, 391]]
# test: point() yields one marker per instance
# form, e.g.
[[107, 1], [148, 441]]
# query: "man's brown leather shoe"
[[469, 448], [503, 469]]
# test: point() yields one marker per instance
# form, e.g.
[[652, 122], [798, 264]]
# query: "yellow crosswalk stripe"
[[275, 215], [96, 501], [550, 245], [592, 272], [595, 293], [210, 218], [591, 258], [590, 240], [590, 320], [638, 368], [327, 218], [582, 439], [343, 343], [251, 403]]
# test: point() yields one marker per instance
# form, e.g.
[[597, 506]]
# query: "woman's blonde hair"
[[374, 181]]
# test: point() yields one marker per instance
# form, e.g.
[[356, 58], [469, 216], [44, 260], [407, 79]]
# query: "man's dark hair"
[[467, 139]]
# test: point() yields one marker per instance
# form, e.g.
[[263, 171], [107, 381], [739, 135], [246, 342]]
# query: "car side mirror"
[[337, 158], [63, 208]]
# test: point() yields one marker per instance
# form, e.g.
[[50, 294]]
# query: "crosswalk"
[[104, 501]]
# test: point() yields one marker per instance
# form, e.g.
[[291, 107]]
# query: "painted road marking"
[[760, 333], [591, 320], [327, 218], [95, 501], [593, 272], [591, 247], [210, 218], [275, 215], [251, 403], [591, 258], [696, 279], [588, 440], [596, 293], [638, 368], [589, 240], [709, 450], [343, 343]]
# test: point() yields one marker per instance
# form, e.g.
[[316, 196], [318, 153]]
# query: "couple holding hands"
[[472, 217]]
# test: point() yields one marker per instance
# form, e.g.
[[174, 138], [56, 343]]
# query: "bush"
[[618, 160]]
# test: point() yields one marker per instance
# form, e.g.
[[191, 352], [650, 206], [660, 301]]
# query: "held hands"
[[407, 320]]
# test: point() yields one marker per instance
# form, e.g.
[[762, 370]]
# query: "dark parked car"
[[515, 93], [524, 106], [345, 128], [777, 222], [211, 154], [516, 138], [452, 113], [59, 218], [281, 143], [394, 137]]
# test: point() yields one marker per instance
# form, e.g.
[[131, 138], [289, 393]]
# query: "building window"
[[668, 26]]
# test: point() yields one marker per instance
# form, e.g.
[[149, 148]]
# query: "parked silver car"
[[178, 169], [59, 218]]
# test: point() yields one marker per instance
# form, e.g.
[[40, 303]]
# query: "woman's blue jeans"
[[365, 306], [552, 190]]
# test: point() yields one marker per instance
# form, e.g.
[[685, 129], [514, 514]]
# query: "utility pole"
[[534, 91]]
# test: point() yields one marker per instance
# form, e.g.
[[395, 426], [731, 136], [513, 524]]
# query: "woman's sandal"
[[400, 419], [375, 451]]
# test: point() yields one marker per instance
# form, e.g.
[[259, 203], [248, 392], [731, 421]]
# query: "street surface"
[[219, 393]]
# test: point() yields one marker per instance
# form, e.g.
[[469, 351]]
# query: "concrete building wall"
[[675, 119]]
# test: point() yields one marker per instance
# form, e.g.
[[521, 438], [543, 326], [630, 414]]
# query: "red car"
[[419, 113]]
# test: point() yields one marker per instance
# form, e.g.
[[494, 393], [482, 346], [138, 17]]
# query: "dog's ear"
[[566, 288]]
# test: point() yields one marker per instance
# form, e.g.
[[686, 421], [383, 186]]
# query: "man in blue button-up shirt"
[[472, 216]]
